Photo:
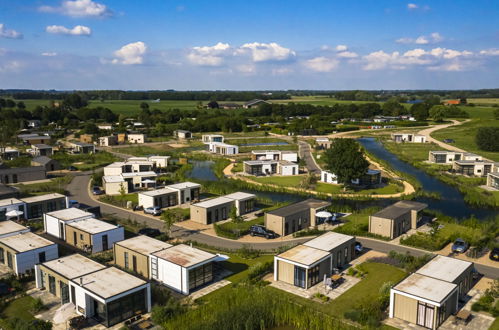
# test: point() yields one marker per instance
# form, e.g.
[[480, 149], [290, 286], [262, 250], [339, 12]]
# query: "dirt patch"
[[178, 145]]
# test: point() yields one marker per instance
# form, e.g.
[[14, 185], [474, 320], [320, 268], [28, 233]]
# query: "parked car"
[[358, 247], [494, 254], [72, 168], [154, 210], [97, 191], [261, 231], [459, 246], [259, 214], [151, 232], [74, 203], [449, 140]]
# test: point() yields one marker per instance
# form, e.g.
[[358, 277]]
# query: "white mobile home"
[[209, 138], [187, 191], [9, 228], [136, 138], [93, 235], [182, 268], [12, 204], [54, 223], [223, 148], [164, 197]]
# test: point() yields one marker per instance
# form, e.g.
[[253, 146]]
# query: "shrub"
[[37, 305], [258, 270], [487, 138], [425, 241], [308, 232], [247, 252]]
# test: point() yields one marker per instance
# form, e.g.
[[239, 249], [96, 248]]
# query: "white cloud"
[[412, 6], [78, 30], [322, 64], [8, 33], [78, 8], [281, 71], [341, 48], [49, 54], [132, 53], [433, 38], [209, 55], [490, 52], [261, 52], [11, 66], [347, 54]]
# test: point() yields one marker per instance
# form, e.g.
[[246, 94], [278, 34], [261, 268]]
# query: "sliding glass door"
[[300, 280]]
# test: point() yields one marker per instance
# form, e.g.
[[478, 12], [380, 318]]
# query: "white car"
[[154, 210]]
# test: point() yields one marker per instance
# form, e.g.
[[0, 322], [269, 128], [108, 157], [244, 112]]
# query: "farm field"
[[487, 101]]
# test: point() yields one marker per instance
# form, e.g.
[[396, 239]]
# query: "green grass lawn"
[[19, 308], [238, 167], [162, 150], [85, 162], [390, 188], [464, 134], [283, 181], [56, 185]]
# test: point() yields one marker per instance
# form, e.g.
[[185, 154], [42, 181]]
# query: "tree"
[[346, 160], [393, 108], [487, 138], [420, 111], [144, 106], [213, 105], [21, 105], [496, 114], [233, 214], [91, 128], [438, 113], [10, 103]]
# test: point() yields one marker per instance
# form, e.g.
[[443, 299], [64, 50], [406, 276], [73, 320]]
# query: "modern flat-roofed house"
[[8, 153], [86, 138], [36, 206], [54, 275], [182, 268], [9, 228], [93, 235], [243, 202], [371, 178], [396, 219], [493, 180], [81, 148], [21, 252], [340, 246], [448, 157], [11, 204], [133, 165], [212, 210], [323, 143], [291, 218], [182, 134], [140, 179], [302, 266], [473, 167], [134, 253], [408, 137], [223, 148], [210, 138], [54, 223], [32, 139], [110, 295], [423, 300], [42, 150], [285, 167], [254, 103], [114, 184], [290, 156], [187, 191], [450, 270], [270, 167], [22, 174], [106, 141], [164, 197], [49, 163], [155, 161], [136, 138]]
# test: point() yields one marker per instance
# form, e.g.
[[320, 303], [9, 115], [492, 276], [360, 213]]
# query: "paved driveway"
[[306, 154]]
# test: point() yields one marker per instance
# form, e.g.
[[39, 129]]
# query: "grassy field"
[[282, 181], [485, 101]]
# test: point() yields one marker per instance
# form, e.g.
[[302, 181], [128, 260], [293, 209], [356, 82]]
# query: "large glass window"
[[313, 276], [126, 260], [299, 279], [200, 275], [125, 307], [52, 284]]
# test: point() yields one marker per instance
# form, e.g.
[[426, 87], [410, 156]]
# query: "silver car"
[[154, 210]]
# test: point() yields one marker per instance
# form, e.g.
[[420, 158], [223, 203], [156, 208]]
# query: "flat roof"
[[287, 163], [184, 185], [10, 201], [240, 196], [328, 241], [260, 162], [184, 255], [92, 225], [70, 214], [399, 208], [9, 226], [265, 151], [74, 265], [25, 242], [223, 144], [113, 178], [444, 268], [144, 244], [42, 198], [304, 255], [116, 164], [496, 175], [310, 203], [158, 157], [473, 162], [42, 146], [426, 287], [158, 192], [146, 173], [213, 202], [109, 282]]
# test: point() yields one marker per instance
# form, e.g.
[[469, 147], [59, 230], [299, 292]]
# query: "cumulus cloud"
[[341, 48], [490, 52], [261, 52], [78, 30], [78, 8], [132, 53], [433, 38], [209, 55], [412, 6], [322, 64], [347, 54], [8, 33]]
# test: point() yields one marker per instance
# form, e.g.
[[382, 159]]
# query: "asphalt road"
[[78, 189], [306, 154]]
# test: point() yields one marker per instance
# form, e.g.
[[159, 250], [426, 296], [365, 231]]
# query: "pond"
[[264, 144], [451, 202]]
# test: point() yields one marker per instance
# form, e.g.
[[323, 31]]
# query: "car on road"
[[151, 232], [261, 231], [494, 254], [97, 190], [449, 140], [358, 247], [154, 210], [459, 246], [72, 168]]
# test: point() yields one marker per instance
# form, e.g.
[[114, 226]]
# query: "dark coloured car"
[[72, 168], [494, 254], [97, 190], [459, 246], [358, 247], [151, 232], [262, 232], [449, 140]]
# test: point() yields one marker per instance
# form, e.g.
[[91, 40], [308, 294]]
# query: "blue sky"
[[285, 44]]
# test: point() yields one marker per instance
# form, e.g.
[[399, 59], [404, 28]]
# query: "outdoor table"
[[336, 277], [463, 315]]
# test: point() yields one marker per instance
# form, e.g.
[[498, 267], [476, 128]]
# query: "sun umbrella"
[[323, 214], [14, 213], [64, 313]]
